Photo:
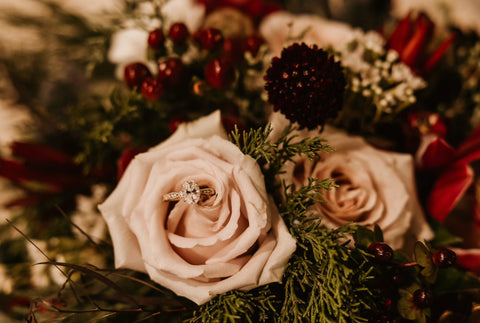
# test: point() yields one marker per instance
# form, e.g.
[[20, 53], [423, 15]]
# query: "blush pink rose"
[[375, 186], [235, 239], [280, 28]]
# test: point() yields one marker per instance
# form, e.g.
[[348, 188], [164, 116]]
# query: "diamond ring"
[[191, 193]]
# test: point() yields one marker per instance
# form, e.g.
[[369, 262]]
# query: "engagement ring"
[[191, 193]]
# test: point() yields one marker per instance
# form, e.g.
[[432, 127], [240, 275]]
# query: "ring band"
[[191, 193]]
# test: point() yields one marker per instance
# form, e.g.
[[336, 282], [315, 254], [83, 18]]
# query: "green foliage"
[[258, 305], [273, 155], [423, 256], [325, 279]]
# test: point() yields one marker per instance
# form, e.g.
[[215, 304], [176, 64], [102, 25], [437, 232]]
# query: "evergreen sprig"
[[325, 280], [258, 305], [272, 154]]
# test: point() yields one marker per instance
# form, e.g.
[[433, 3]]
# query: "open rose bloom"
[[375, 187], [234, 239]]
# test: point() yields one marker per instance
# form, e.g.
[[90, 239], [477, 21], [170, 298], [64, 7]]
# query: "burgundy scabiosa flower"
[[306, 85]]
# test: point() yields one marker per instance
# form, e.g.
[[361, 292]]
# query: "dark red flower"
[[411, 39], [306, 85]]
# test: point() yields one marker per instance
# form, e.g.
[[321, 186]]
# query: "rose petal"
[[216, 245], [205, 127], [377, 187], [265, 266], [280, 27], [448, 190]]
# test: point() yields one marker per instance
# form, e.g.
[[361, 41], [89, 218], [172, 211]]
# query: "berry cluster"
[[396, 282], [219, 57]]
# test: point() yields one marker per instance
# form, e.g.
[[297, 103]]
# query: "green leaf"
[[423, 256], [442, 236], [363, 237], [405, 306], [377, 234], [454, 279]]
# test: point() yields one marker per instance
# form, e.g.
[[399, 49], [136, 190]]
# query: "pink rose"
[[280, 27], [235, 239], [375, 186]]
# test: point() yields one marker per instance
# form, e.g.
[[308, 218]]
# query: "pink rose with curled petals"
[[234, 239], [375, 187], [281, 28]]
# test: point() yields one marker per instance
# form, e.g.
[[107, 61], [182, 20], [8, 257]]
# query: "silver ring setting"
[[191, 193]]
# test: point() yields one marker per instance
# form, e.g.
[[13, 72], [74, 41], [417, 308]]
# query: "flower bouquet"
[[242, 161]]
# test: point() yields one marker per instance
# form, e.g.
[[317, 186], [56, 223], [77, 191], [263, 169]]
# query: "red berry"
[[156, 39], [179, 33], [422, 298], [444, 258], [252, 44], [383, 252], [219, 73], [152, 89], [135, 74], [212, 39], [171, 72]]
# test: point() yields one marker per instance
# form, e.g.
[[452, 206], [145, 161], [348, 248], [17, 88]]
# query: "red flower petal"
[[438, 53], [448, 190], [468, 258], [398, 39], [469, 150], [415, 47], [437, 153]]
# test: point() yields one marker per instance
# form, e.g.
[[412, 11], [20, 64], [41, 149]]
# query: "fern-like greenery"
[[325, 280]]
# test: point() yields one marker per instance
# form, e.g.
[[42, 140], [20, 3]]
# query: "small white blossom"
[[87, 216], [188, 12], [39, 274], [6, 282]]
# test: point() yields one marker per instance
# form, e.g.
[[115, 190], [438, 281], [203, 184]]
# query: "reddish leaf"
[[40, 153], [28, 200], [448, 190], [52, 181]]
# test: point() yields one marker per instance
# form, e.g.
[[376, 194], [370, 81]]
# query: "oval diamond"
[[191, 192]]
